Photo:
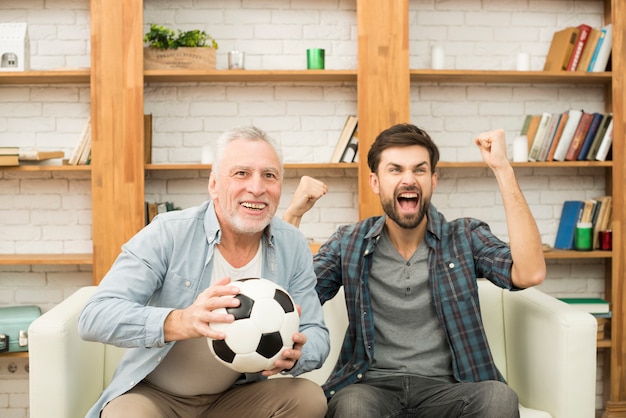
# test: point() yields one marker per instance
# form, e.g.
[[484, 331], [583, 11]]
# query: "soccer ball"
[[264, 324]]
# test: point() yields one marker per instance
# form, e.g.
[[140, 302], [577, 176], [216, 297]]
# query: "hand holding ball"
[[265, 321]]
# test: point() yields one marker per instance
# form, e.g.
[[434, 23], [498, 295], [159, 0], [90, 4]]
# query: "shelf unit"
[[383, 79]]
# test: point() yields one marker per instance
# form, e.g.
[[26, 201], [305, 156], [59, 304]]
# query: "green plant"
[[161, 37]]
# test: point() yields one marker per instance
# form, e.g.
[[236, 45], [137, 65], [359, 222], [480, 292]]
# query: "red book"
[[579, 136], [579, 46]]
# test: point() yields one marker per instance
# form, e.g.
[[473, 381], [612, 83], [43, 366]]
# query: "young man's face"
[[405, 183], [247, 189]]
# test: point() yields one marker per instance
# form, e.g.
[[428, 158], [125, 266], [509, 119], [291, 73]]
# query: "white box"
[[14, 47]]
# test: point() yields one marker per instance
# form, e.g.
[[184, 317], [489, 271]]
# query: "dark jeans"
[[412, 396]]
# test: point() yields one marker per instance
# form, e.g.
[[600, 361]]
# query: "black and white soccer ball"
[[264, 323]]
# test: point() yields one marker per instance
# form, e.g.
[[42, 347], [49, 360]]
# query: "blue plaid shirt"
[[459, 252]]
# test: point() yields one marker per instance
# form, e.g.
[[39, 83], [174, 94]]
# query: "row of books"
[[595, 211], [14, 156], [574, 135], [580, 48], [346, 150], [152, 209], [81, 154]]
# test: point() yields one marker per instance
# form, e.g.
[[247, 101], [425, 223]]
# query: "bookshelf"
[[383, 78]]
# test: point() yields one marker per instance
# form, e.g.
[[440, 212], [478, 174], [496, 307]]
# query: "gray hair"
[[250, 133]]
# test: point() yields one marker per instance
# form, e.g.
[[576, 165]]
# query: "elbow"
[[528, 277]]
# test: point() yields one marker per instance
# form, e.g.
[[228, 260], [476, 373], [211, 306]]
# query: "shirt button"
[[359, 376], [451, 265], [187, 283], [332, 392]]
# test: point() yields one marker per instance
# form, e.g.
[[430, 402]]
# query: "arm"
[[529, 266], [308, 192]]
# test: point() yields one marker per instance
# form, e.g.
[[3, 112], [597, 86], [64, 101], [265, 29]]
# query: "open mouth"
[[408, 200], [254, 206]]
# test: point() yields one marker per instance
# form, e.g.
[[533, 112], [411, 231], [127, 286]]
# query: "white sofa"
[[545, 348]]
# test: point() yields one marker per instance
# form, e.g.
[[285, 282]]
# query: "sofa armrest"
[[66, 373], [551, 354]]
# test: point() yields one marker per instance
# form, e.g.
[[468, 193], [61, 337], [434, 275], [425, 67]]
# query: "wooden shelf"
[[517, 77], [546, 164], [288, 166], [81, 76], [605, 343], [18, 354], [58, 259], [571, 254], [57, 167], [164, 76]]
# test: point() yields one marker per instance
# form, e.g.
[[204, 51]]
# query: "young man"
[[159, 297], [415, 345]]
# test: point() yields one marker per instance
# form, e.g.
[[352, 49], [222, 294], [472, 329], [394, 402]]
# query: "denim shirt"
[[460, 251], [164, 267]]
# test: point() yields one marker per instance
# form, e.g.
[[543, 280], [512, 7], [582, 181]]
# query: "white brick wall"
[[51, 212]]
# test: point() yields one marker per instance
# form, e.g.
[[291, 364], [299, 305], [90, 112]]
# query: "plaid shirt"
[[459, 252]]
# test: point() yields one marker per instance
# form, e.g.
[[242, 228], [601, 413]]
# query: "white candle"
[[207, 154], [520, 149], [438, 58], [523, 61]]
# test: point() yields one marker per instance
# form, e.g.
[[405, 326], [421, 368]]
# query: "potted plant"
[[168, 49]]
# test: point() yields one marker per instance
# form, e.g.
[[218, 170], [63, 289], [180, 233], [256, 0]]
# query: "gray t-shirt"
[[408, 336]]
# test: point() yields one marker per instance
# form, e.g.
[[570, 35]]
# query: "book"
[[351, 151], [525, 125], [557, 136], [344, 138], [579, 136], [147, 138], [579, 46], [36, 155], [544, 124], [590, 47], [570, 215], [602, 218], [85, 153], [603, 50], [9, 160], [80, 146], [560, 50], [532, 129], [9, 150], [605, 144], [549, 137], [591, 305], [588, 209], [606, 120], [568, 134], [591, 133]]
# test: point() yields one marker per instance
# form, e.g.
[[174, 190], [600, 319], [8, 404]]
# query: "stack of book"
[[9, 156], [580, 48], [346, 150], [595, 211], [574, 135], [597, 307]]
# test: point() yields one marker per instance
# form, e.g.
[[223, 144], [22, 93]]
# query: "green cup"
[[583, 236], [315, 59]]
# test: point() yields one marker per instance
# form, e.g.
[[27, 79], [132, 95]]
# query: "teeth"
[[408, 195], [253, 205]]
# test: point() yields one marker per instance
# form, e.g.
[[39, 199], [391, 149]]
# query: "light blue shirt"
[[164, 267]]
